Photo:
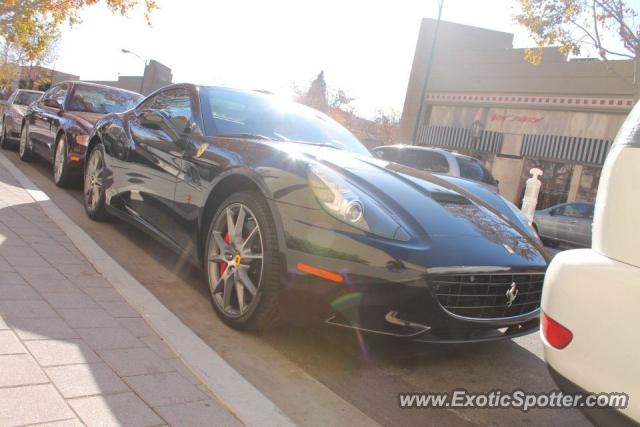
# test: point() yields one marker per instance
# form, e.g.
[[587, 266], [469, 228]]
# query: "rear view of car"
[[590, 299]]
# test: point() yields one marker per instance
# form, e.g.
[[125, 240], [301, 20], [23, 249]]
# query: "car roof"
[[464, 156], [197, 87], [579, 202], [96, 85], [414, 147]]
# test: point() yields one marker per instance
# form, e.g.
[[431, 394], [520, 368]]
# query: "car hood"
[[85, 119], [441, 208], [491, 197]]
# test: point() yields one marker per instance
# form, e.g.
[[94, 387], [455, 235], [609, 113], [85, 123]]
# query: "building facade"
[[156, 75], [35, 77], [484, 99]]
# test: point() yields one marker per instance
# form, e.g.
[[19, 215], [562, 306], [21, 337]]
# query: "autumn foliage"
[[28, 28], [607, 27]]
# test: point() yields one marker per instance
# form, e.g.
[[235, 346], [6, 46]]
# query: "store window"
[[588, 187], [555, 182]]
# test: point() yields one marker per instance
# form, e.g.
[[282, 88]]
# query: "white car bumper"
[[598, 300]]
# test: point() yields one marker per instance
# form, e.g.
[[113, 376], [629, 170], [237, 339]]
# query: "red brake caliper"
[[222, 265]]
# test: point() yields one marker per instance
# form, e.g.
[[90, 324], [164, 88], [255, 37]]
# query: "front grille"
[[484, 296]]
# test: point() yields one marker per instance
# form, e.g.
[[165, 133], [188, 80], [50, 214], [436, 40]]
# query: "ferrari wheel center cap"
[[237, 259]]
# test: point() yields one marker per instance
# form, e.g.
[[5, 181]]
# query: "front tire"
[[24, 150], [242, 263], [93, 185], [60, 163]]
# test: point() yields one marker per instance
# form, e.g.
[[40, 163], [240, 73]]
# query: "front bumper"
[[378, 276], [426, 334], [407, 310]]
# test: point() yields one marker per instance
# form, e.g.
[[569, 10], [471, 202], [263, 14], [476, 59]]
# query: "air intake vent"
[[488, 296]]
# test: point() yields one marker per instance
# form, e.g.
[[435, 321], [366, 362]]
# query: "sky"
[[364, 47]]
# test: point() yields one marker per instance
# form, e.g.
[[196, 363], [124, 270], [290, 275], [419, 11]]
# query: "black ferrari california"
[[272, 198]]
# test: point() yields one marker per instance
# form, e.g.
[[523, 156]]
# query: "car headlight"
[[349, 204], [82, 140]]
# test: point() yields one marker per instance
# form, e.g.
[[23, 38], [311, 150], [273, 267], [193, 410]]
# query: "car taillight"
[[555, 334]]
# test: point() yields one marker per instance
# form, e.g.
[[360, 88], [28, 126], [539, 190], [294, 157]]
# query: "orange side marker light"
[[315, 271]]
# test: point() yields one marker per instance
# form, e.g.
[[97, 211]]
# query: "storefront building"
[[485, 100]]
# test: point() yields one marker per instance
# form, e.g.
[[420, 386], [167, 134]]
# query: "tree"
[[338, 105], [316, 96], [29, 28], [608, 27], [388, 126], [338, 99]]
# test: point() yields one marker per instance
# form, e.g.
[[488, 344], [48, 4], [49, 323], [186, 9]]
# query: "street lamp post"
[[423, 94], [145, 66]]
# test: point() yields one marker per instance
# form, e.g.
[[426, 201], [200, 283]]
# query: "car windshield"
[[26, 98], [102, 100], [232, 112], [472, 169]]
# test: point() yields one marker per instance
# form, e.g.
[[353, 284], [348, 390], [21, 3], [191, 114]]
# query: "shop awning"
[[566, 148], [460, 139]]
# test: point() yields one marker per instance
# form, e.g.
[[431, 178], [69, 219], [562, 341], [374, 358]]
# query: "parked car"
[[12, 112], [568, 223], [439, 161], [590, 299], [269, 196], [57, 126]]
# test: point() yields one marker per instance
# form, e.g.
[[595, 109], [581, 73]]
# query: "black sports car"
[[271, 197], [56, 127]]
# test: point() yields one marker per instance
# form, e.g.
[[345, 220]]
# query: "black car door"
[[202, 161], [153, 165], [38, 126], [45, 120]]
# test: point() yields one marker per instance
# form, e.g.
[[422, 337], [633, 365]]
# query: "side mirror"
[[53, 103], [152, 119]]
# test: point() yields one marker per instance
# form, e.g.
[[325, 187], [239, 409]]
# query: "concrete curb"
[[241, 397]]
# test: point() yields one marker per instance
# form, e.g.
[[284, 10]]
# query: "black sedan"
[[57, 126], [274, 199], [12, 113]]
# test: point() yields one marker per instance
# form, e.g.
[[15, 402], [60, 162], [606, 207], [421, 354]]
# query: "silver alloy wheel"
[[23, 141], [235, 260], [59, 159], [93, 184]]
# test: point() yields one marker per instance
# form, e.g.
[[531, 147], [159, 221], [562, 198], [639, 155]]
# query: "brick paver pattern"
[[72, 350]]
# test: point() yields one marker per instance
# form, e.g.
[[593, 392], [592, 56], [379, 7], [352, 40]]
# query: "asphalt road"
[[317, 374]]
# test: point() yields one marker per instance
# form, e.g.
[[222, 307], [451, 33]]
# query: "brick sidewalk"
[[72, 350]]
